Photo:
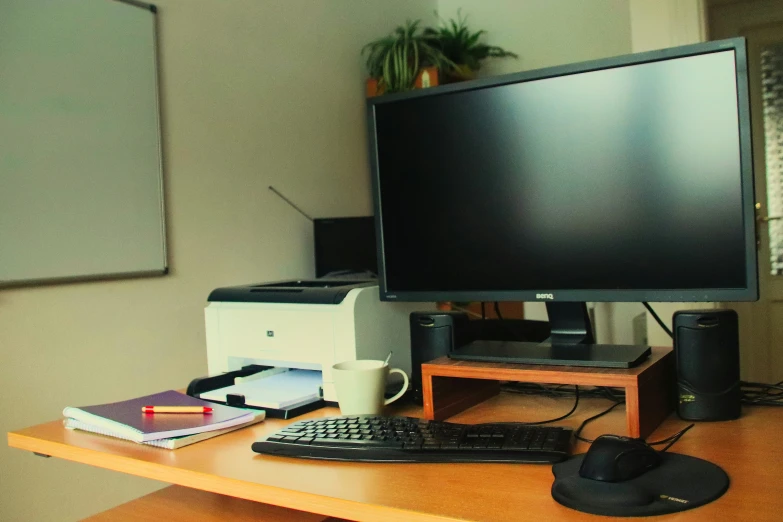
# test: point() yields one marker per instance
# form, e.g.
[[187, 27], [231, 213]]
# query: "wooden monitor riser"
[[450, 386]]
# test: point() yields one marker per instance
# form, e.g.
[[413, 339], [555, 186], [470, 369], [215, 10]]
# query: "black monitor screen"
[[624, 178], [345, 245]]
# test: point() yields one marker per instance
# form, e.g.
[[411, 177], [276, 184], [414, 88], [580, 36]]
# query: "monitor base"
[[582, 355]]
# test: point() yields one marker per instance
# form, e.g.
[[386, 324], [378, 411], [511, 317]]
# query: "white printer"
[[307, 325]]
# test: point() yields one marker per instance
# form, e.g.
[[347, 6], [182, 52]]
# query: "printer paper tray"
[[202, 385]]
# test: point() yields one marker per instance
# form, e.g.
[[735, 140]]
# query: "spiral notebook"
[[171, 443], [126, 419]]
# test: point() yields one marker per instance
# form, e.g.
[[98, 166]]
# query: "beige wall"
[[657, 24], [254, 93], [547, 32]]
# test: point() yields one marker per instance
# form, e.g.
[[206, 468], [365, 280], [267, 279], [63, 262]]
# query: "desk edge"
[[298, 500]]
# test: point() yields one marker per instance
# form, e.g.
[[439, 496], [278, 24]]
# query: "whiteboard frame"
[[109, 276]]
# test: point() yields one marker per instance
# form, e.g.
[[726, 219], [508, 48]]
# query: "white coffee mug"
[[360, 386]]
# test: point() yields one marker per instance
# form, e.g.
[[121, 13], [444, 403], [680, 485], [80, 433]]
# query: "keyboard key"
[[355, 443]]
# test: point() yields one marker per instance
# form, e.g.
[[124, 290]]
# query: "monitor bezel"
[[748, 293]]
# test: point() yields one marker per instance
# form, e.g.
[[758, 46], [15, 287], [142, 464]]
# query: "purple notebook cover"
[[129, 413]]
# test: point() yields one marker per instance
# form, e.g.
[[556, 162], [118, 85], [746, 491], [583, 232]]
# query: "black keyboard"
[[407, 439]]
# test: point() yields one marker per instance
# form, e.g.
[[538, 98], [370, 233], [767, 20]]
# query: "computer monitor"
[[344, 246], [623, 179]]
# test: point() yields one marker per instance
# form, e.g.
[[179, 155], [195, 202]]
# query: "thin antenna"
[[273, 189], [137, 3]]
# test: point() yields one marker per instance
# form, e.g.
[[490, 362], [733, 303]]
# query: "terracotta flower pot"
[[427, 77], [460, 74]]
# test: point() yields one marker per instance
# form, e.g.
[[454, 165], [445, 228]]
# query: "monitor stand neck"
[[570, 323]]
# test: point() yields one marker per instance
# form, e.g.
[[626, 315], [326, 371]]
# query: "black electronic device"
[[623, 179], [407, 439], [612, 458], [344, 246], [678, 483], [433, 335], [706, 348]]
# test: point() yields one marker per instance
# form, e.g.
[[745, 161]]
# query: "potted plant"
[[462, 48], [402, 60]]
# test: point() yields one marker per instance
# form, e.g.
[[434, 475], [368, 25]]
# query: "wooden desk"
[[180, 504], [748, 449]]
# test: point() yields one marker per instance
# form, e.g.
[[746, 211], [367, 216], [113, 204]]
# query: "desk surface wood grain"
[[748, 449]]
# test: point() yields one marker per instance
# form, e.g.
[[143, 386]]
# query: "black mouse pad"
[[679, 483]]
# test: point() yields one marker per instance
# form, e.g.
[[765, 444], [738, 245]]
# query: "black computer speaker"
[[706, 347], [433, 335]]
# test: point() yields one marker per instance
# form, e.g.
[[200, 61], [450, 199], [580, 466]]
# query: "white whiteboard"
[[81, 181]]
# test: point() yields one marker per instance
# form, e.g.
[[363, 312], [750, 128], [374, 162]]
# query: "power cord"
[[672, 439], [549, 421], [578, 432], [669, 441], [563, 390], [757, 393], [613, 394], [658, 319]]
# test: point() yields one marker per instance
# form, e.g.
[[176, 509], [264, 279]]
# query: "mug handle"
[[404, 388]]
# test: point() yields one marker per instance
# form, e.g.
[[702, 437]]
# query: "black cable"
[[497, 311], [573, 409], [671, 440], [761, 394], [483, 311], [760, 384], [598, 392], [577, 433], [658, 319], [538, 423]]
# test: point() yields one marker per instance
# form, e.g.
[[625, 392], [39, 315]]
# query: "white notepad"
[[279, 391]]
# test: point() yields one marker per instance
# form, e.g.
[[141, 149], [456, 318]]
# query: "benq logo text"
[[545, 296]]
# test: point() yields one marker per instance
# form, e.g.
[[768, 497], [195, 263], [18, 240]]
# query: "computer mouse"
[[612, 458]]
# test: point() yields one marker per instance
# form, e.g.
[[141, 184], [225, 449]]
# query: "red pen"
[[176, 409]]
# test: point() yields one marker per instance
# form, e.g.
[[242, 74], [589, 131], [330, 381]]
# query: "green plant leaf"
[[458, 45]]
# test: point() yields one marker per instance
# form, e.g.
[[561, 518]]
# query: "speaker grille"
[[707, 357]]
